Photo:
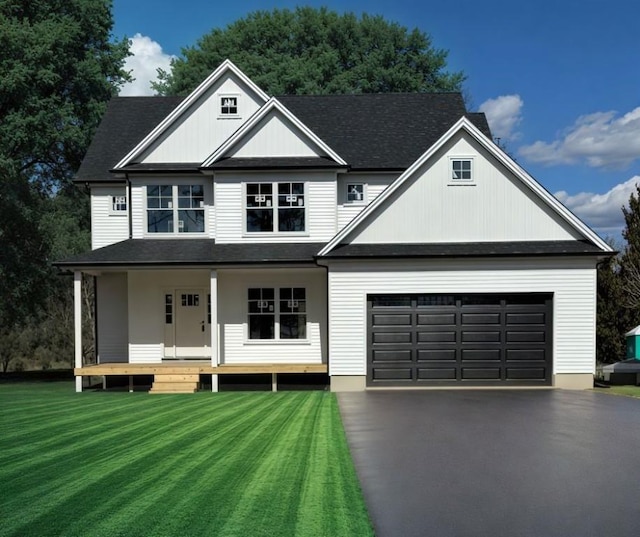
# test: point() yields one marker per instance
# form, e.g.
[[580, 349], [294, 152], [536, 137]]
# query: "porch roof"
[[189, 252]]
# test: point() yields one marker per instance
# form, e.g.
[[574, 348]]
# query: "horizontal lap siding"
[[107, 228], [374, 186], [573, 314], [233, 317]]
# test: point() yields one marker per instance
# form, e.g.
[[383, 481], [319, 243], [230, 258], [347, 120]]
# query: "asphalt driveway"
[[497, 463]]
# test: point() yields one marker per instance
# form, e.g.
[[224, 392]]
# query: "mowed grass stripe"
[[203, 464]]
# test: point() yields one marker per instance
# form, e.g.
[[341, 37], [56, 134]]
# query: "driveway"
[[497, 463]]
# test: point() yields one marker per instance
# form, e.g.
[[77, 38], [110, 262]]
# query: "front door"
[[191, 324]]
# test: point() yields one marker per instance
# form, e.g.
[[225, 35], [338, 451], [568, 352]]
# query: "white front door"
[[191, 324]]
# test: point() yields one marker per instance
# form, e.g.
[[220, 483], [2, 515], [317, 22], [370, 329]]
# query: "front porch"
[[180, 376]]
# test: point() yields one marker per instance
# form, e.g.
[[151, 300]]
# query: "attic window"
[[229, 106], [355, 193], [461, 169]]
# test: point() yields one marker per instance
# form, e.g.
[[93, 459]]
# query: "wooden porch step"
[[175, 383]]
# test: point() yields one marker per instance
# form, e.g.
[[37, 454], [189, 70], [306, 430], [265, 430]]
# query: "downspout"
[[129, 206]]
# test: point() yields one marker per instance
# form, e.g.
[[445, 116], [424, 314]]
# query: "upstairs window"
[[175, 209], [275, 207], [355, 193], [228, 106], [461, 169], [277, 313], [118, 205]]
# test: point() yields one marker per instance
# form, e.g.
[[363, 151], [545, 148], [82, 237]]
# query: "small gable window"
[[355, 193], [461, 169], [228, 105], [118, 205]]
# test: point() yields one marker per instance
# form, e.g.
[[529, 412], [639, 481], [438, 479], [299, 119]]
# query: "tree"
[[58, 68], [316, 51]]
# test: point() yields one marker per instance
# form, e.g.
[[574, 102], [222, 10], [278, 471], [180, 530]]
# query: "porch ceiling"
[[189, 252]]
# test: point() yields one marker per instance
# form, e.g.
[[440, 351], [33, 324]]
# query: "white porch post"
[[77, 324], [215, 357]]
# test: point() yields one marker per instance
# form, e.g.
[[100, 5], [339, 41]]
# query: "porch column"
[[215, 357], [77, 324]]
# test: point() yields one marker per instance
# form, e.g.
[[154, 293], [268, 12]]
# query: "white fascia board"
[[225, 66], [272, 104], [501, 156]]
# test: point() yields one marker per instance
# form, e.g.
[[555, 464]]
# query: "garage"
[[459, 339]]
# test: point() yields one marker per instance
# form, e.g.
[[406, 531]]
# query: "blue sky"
[[559, 80]]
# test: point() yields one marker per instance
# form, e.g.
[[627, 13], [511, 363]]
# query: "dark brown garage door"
[[469, 339]]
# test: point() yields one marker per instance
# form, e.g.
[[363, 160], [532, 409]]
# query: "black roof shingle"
[[370, 131]]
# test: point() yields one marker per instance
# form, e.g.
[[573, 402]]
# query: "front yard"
[[225, 464]]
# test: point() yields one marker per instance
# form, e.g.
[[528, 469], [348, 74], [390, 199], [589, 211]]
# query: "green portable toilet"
[[633, 343]]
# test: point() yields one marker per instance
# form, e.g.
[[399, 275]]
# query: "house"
[[383, 239]]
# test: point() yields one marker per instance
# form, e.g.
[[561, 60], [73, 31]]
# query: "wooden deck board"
[[193, 368]]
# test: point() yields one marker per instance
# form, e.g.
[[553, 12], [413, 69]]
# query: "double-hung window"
[[175, 208], [277, 313], [275, 207]]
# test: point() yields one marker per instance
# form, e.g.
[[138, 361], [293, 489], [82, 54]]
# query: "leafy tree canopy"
[[316, 51], [58, 67]]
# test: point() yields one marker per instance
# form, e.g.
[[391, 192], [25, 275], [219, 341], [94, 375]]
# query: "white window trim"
[[235, 96], [112, 211], [274, 207], [174, 191], [276, 329], [451, 181], [363, 201]]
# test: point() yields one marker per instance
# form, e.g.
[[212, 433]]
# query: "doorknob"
[[202, 324]]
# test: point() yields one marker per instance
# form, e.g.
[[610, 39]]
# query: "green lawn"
[[632, 391], [125, 464]]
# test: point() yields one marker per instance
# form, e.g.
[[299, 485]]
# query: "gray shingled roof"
[[464, 249], [189, 252], [370, 131]]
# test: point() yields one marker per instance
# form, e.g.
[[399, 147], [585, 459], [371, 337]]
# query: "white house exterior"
[[385, 238]]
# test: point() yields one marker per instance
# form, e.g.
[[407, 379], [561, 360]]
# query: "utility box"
[[633, 343]]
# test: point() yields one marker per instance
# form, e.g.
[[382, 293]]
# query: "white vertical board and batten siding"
[[139, 205], [200, 130], [375, 184], [107, 228], [495, 206], [320, 206], [572, 282], [113, 317], [236, 348], [274, 136], [146, 308]]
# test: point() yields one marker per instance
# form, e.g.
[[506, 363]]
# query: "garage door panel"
[[436, 355], [526, 318], [437, 337], [469, 336], [446, 319], [391, 319], [481, 318], [448, 373], [398, 374], [529, 336], [392, 337], [485, 373], [391, 355], [490, 355], [448, 339]]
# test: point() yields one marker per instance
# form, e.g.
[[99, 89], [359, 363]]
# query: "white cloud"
[[603, 212], [503, 115], [602, 140], [146, 58]]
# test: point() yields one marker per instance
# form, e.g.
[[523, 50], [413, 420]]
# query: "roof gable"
[[415, 208], [170, 139], [273, 132]]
